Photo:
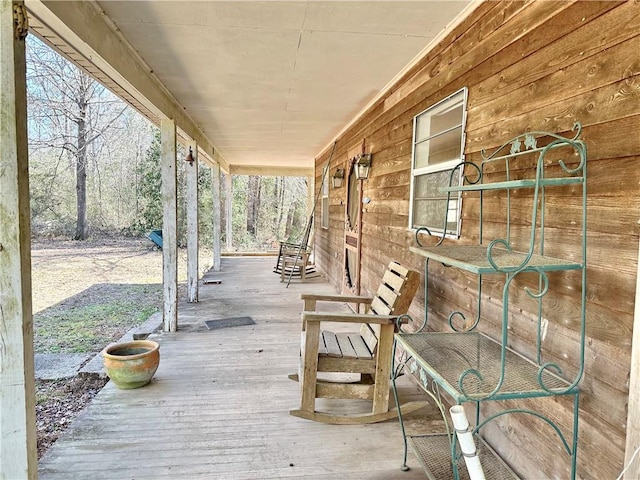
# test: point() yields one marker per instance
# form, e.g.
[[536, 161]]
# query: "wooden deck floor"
[[218, 405]]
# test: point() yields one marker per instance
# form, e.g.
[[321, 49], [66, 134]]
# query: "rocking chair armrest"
[[294, 248], [348, 317], [336, 298]]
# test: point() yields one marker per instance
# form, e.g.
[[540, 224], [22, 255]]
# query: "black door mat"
[[229, 322]]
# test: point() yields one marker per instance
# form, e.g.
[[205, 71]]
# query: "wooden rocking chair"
[[293, 258], [368, 352]]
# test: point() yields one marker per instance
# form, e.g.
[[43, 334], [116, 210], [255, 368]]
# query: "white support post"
[[632, 458], [215, 191], [169, 226], [311, 198], [467, 443], [192, 224], [229, 188], [18, 452], [310, 194]]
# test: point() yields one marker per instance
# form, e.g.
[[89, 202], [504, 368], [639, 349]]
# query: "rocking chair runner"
[[368, 352]]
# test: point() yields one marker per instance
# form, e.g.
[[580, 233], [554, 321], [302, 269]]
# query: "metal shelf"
[[546, 182], [434, 454], [474, 259], [445, 356]]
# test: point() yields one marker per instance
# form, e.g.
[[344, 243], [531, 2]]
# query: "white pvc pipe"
[[467, 444]]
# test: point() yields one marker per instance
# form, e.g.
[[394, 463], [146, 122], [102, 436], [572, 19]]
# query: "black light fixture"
[[189, 158], [363, 166], [338, 176]]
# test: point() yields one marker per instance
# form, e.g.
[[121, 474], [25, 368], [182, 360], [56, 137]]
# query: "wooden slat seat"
[[367, 352], [343, 345]]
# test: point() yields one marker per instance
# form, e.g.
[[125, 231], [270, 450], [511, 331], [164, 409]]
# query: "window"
[[438, 146], [325, 196]]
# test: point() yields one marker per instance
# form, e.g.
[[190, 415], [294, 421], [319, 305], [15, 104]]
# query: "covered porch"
[[507, 68], [277, 130], [218, 404]]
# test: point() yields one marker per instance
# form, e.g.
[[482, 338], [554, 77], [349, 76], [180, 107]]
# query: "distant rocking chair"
[[293, 258], [368, 352]]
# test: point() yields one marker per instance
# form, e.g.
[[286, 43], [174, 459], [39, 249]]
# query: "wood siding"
[[528, 66]]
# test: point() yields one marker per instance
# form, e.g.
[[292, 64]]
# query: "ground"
[[86, 295], [59, 402]]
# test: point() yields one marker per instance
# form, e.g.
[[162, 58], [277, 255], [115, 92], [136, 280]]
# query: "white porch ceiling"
[[270, 83]]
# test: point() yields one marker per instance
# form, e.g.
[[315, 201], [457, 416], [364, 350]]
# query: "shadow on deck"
[[218, 405]]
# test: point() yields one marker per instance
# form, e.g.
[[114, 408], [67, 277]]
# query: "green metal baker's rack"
[[469, 367]]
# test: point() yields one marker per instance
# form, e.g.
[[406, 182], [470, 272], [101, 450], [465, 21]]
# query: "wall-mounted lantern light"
[[189, 158], [363, 166], [338, 176]]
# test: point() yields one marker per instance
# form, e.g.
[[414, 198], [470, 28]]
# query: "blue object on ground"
[[156, 237]]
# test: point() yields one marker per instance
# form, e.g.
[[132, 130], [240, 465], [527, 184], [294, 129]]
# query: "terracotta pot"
[[131, 364]]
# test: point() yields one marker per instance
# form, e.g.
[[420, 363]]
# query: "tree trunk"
[[289, 225], [253, 203], [280, 196], [82, 228]]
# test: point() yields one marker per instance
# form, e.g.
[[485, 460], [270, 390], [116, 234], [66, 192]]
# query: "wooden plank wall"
[[528, 66]]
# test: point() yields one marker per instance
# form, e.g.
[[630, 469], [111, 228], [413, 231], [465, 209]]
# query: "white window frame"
[[324, 219], [455, 202]]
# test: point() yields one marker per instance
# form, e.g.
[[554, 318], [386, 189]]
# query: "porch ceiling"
[[270, 84]]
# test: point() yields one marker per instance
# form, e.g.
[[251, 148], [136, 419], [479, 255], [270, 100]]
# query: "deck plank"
[[218, 406]]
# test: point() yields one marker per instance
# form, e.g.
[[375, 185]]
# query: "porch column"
[[192, 224], [311, 210], [633, 409], [215, 191], [169, 226], [310, 194], [229, 189], [18, 453]]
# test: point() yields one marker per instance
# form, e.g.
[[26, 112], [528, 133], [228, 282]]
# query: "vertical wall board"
[[633, 421]]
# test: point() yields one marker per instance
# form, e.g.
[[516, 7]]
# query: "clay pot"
[[131, 364]]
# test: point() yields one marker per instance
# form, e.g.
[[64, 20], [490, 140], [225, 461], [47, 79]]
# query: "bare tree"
[[69, 111], [279, 194], [253, 203], [91, 165]]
